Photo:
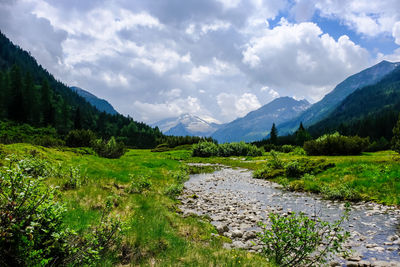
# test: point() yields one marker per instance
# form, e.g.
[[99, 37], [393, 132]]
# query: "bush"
[[32, 232], [299, 167], [209, 149], [297, 240], [48, 141], [110, 149], [287, 148], [205, 149], [342, 192], [174, 190], [336, 144], [138, 184], [80, 138]]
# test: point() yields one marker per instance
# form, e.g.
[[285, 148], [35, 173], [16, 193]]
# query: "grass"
[[156, 233]]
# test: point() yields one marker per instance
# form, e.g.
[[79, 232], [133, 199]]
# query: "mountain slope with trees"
[[29, 94], [369, 111], [324, 107]]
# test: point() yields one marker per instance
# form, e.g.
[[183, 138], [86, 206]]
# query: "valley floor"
[[157, 233]]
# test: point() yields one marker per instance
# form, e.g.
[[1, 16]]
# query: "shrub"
[[336, 144], [298, 151], [268, 173], [287, 148], [299, 167], [74, 178], [138, 184], [396, 136], [111, 149], [275, 162], [205, 149], [80, 138], [297, 240], [342, 192], [161, 148], [48, 141], [209, 149], [269, 147], [174, 190]]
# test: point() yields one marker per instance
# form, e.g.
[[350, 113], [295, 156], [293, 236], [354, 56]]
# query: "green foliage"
[[111, 149], [301, 135], [80, 138], [287, 148], [174, 190], [205, 149], [297, 240], [396, 137], [73, 178], [342, 192], [31, 229], [209, 149], [32, 232], [273, 134], [293, 169], [378, 145], [336, 144], [138, 184]]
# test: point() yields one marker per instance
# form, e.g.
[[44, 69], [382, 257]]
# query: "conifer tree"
[[16, 104], [301, 135], [273, 134], [46, 104], [78, 119], [396, 137]]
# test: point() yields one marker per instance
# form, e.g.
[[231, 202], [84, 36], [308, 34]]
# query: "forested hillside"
[[369, 111], [30, 94]]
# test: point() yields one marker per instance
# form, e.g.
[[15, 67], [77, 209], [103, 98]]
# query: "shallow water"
[[369, 224]]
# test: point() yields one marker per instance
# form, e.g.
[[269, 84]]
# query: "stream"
[[235, 202]]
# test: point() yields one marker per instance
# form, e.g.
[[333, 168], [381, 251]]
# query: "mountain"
[[257, 124], [186, 124], [324, 107], [369, 111], [100, 104]]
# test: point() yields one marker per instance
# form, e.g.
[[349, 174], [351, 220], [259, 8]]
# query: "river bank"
[[235, 202]]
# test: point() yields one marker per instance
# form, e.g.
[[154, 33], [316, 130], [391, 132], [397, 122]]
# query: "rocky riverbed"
[[235, 202]]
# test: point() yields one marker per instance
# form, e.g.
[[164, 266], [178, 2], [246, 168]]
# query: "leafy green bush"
[[73, 178], [111, 149], [299, 167], [80, 138], [205, 149], [298, 151], [209, 149], [294, 169], [336, 144], [174, 190], [161, 148], [287, 148], [297, 240], [396, 136], [341, 192], [138, 184]]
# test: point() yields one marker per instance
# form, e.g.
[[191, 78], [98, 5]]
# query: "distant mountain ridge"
[[257, 124], [324, 107], [100, 104], [186, 124]]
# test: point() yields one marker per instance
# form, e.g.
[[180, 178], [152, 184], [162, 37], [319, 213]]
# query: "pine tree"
[[78, 119], [396, 137], [16, 104], [301, 135], [46, 104], [273, 135]]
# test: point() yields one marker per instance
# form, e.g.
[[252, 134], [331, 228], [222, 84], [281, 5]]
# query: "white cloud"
[[299, 56], [216, 68], [171, 108], [233, 106], [396, 32], [366, 17]]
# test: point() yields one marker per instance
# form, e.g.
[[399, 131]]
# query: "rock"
[[364, 263], [249, 235], [392, 238], [355, 257], [237, 233], [222, 228], [238, 244], [334, 264], [352, 264]]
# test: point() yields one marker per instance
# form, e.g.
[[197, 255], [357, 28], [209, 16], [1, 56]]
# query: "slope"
[[369, 111], [100, 104], [321, 109]]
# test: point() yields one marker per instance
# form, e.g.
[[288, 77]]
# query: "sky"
[[217, 59]]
